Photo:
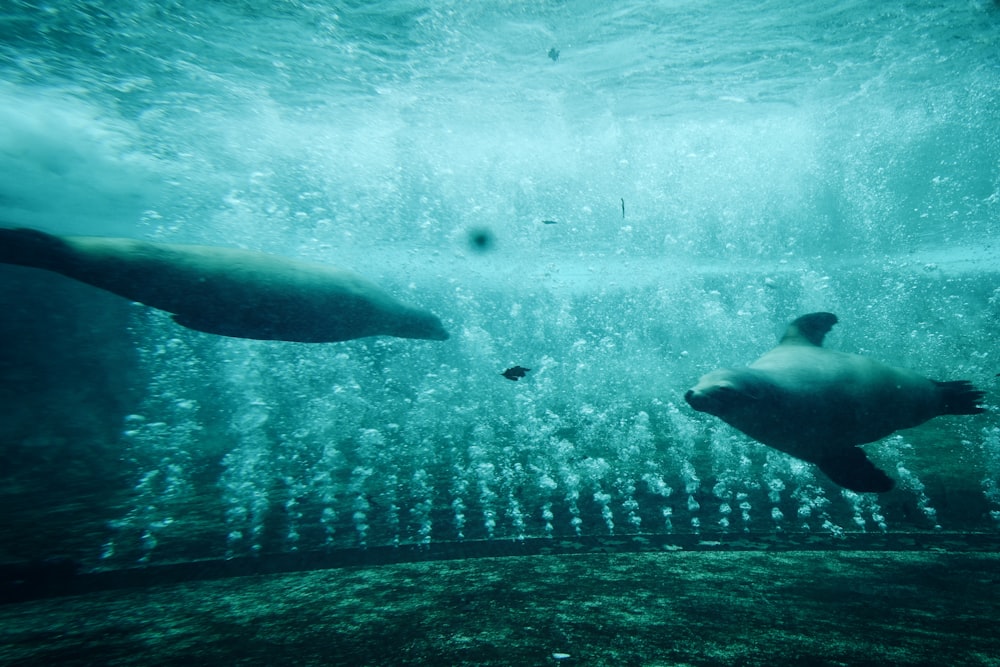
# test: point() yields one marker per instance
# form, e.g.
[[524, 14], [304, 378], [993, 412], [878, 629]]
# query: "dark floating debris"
[[515, 372], [554, 54], [481, 239], [550, 222]]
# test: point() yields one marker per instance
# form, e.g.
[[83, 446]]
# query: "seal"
[[819, 405], [227, 291]]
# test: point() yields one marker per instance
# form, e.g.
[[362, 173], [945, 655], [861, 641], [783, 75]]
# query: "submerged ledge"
[[20, 582]]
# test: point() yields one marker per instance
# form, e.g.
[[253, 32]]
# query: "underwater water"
[[619, 197]]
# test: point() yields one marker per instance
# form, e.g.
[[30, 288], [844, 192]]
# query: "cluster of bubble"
[[159, 439], [990, 445], [382, 442]]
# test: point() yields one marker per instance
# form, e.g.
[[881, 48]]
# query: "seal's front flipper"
[[809, 329], [851, 469]]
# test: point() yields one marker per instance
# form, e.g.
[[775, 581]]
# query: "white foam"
[[70, 166]]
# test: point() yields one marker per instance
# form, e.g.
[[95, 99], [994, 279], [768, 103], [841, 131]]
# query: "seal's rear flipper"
[[851, 469], [959, 397], [30, 247]]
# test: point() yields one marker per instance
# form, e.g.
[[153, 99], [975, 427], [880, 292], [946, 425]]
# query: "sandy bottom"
[[678, 608]]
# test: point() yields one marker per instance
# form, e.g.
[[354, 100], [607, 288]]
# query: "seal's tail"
[[30, 247], [959, 397]]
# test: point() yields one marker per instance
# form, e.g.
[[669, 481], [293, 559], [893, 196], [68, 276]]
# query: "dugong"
[[819, 405], [227, 291]]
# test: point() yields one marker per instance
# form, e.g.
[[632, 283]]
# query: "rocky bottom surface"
[[676, 608]]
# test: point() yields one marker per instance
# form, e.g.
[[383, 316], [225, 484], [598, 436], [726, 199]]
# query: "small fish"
[[549, 222], [623, 208], [515, 372]]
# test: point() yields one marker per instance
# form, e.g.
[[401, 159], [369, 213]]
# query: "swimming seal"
[[819, 405], [227, 291]]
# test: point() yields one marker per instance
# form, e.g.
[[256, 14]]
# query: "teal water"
[[666, 185]]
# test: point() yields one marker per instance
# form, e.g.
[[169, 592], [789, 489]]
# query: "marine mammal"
[[227, 291], [819, 405]]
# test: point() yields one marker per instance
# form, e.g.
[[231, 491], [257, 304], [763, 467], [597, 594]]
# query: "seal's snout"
[[696, 400], [438, 332], [713, 399]]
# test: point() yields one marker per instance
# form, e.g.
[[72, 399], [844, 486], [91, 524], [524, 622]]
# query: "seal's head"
[[725, 392]]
